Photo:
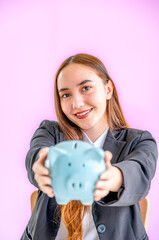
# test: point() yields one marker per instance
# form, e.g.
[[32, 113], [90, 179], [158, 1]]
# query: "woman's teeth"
[[81, 114]]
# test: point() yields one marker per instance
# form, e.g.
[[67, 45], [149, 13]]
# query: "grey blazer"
[[116, 216]]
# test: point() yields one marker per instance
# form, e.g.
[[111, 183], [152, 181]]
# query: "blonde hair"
[[74, 211]]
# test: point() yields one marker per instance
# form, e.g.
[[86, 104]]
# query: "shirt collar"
[[99, 142]]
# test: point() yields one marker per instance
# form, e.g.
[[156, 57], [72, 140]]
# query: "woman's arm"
[[46, 135], [137, 169], [41, 173]]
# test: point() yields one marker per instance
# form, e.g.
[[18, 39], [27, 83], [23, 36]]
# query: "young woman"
[[88, 109]]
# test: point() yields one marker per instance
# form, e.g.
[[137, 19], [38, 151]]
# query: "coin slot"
[[75, 145]]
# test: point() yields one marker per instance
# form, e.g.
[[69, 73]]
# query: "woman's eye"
[[87, 88], [66, 95]]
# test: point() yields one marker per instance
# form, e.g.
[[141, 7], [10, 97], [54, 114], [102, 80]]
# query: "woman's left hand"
[[110, 180]]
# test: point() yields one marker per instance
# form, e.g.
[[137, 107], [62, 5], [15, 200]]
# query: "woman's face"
[[83, 97]]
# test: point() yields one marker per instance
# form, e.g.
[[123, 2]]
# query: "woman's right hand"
[[41, 173]]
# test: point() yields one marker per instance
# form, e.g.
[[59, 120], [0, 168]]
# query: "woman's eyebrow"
[[79, 84], [63, 89], [83, 82]]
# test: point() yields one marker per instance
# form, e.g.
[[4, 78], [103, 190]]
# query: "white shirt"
[[99, 142], [89, 228]]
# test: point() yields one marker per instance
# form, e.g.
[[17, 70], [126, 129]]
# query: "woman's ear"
[[109, 90]]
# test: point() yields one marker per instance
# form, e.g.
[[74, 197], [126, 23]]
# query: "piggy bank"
[[74, 167]]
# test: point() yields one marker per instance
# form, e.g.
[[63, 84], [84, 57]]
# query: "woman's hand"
[[110, 180], [41, 173]]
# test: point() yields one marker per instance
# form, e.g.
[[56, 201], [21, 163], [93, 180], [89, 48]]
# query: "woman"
[[88, 109]]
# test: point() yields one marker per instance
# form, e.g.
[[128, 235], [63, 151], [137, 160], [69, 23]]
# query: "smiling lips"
[[83, 114]]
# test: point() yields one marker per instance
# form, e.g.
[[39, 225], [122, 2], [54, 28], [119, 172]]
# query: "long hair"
[[74, 211]]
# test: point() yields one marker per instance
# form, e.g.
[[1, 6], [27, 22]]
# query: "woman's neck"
[[94, 134]]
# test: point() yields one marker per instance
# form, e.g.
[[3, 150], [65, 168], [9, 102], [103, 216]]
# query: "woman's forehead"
[[74, 73]]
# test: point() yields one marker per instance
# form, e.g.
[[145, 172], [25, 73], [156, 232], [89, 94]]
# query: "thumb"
[[38, 166], [108, 157], [43, 154]]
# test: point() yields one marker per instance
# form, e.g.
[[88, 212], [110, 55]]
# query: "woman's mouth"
[[83, 114]]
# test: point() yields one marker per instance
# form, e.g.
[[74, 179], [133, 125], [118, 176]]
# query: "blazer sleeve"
[[138, 169], [44, 136]]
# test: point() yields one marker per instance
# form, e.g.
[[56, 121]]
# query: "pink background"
[[35, 37]]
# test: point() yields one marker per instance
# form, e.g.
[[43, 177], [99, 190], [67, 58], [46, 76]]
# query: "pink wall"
[[35, 36]]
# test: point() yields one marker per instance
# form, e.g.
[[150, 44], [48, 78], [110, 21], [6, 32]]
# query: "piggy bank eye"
[[69, 164], [83, 165]]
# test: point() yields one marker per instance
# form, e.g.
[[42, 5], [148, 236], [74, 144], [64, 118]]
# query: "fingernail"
[[45, 171], [97, 185], [41, 154]]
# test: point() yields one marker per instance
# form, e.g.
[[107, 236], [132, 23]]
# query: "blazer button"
[[101, 228]]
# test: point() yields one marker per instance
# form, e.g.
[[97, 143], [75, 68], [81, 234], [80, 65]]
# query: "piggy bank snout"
[[75, 183]]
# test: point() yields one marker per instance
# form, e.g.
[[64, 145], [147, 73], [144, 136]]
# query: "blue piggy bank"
[[74, 167]]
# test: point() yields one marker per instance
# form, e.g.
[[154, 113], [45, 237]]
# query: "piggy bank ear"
[[95, 153], [53, 154]]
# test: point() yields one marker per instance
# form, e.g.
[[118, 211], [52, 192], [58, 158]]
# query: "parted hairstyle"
[[74, 211]]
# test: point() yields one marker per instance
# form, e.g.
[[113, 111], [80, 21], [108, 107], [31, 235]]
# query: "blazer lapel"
[[114, 145]]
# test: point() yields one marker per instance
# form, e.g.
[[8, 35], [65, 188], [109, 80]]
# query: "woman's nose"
[[77, 102]]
